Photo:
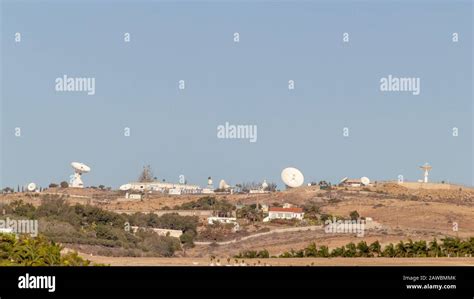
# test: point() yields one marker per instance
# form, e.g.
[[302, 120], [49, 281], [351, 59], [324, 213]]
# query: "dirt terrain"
[[151, 261], [400, 214]]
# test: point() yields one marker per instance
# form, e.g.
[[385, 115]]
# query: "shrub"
[[28, 251]]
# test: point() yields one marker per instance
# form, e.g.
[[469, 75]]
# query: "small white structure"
[[133, 196], [284, 213], [426, 169], [174, 191], [162, 187], [351, 182], [175, 233], [225, 220], [223, 185], [260, 190], [213, 219], [207, 191]]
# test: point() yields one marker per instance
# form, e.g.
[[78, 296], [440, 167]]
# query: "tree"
[[375, 248], [363, 250], [187, 240], [339, 251], [400, 250], [8, 190], [146, 175], [323, 251], [271, 187], [354, 215], [389, 251], [351, 250], [28, 251], [435, 249], [451, 245], [53, 185], [64, 184], [420, 248], [263, 254], [311, 250]]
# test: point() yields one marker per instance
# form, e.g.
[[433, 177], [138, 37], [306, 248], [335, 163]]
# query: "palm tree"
[[400, 250], [339, 251], [435, 249], [323, 251], [409, 248], [311, 250], [375, 248], [420, 248], [451, 245], [351, 250], [464, 248], [389, 251], [362, 249]]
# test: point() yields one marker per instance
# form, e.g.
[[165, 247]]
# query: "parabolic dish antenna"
[[223, 185], [79, 169], [364, 180], [292, 177], [125, 187], [31, 187], [343, 180]]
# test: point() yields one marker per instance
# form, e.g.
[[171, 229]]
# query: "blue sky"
[[337, 86]]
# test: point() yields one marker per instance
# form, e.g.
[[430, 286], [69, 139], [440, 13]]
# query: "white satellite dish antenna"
[[264, 185], [125, 187], [292, 177], [365, 180], [31, 187], [223, 185], [79, 169], [426, 168], [343, 180]]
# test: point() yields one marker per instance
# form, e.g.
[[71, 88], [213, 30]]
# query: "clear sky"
[[175, 131]]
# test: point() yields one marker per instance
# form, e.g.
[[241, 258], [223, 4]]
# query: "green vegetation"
[[253, 254], [250, 213], [452, 247], [28, 251], [217, 232], [90, 225], [354, 215], [207, 203]]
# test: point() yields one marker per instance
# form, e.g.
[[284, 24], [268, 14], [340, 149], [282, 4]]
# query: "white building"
[[352, 183], [284, 213], [165, 187], [133, 196], [225, 220], [175, 233], [213, 219]]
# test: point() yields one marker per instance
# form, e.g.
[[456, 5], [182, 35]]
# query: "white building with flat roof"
[[284, 213], [165, 187]]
